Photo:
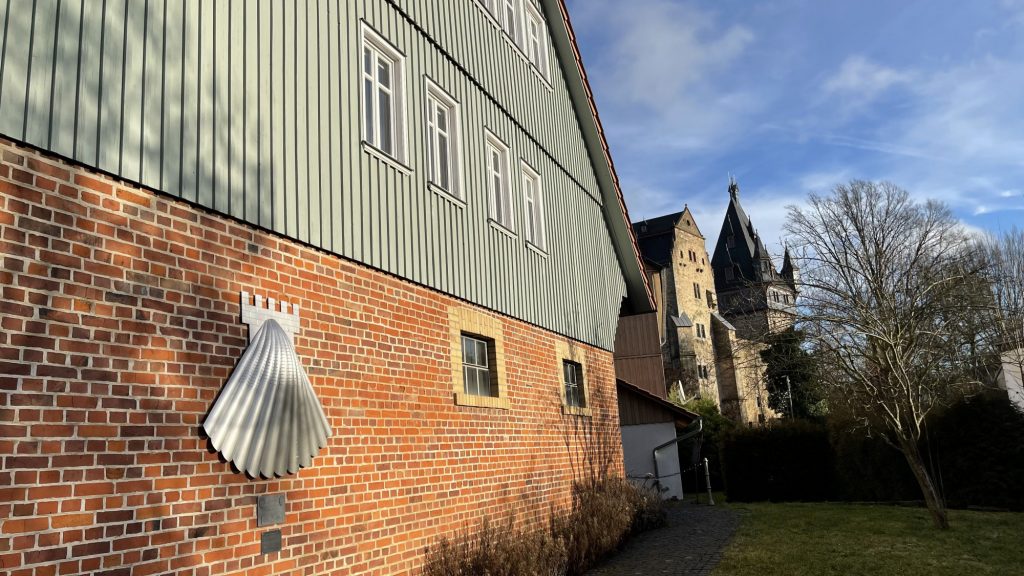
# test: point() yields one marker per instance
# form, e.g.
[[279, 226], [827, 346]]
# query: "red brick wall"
[[120, 324]]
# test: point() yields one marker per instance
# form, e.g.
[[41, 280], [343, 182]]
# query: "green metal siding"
[[251, 108]]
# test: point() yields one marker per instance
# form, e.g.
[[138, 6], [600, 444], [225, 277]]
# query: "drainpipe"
[[697, 428]]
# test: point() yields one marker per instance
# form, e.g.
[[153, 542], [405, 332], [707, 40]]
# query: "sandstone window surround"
[[468, 326], [575, 355]]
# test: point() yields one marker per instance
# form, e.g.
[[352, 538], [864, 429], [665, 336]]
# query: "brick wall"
[[120, 324]]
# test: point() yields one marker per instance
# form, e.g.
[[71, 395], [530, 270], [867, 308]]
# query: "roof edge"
[[657, 400], [638, 289]]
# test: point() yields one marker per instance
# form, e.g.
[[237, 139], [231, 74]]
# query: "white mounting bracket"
[[255, 314]]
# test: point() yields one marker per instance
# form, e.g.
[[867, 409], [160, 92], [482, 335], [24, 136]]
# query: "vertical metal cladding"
[[252, 109]]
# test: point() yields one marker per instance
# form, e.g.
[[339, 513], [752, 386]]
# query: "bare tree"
[[887, 285], [1006, 259]]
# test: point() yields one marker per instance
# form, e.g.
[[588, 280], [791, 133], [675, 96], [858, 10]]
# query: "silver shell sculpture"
[[268, 421]]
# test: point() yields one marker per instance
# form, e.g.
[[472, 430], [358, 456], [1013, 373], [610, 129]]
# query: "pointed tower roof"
[[787, 264], [790, 271], [739, 246]]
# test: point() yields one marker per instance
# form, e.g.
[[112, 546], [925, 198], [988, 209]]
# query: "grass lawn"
[[852, 540]]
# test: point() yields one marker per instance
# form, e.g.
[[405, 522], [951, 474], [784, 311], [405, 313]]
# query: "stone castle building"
[[678, 265], [756, 300], [713, 313]]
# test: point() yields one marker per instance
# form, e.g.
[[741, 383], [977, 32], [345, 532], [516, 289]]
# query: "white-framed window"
[[535, 39], [510, 18], [499, 184], [383, 95], [443, 132], [533, 208], [492, 6]]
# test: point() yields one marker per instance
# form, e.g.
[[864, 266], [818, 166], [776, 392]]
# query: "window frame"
[[433, 93], [486, 369], [505, 199], [517, 19], [574, 386], [566, 350], [380, 47], [541, 64], [534, 228]]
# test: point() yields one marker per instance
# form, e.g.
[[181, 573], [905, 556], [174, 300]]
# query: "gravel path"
[[690, 545]]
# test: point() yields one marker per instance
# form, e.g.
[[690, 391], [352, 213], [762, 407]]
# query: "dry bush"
[[603, 515], [495, 551]]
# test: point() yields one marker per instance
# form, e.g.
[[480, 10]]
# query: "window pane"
[[384, 72], [442, 161], [481, 353], [385, 122], [499, 207], [442, 118], [431, 154], [468, 350], [368, 111]]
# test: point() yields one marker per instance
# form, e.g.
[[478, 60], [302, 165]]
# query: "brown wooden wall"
[[638, 353]]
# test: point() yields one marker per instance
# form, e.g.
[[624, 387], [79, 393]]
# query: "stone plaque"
[[270, 541], [270, 509]]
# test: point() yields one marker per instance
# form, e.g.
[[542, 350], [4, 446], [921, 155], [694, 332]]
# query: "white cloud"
[[659, 73], [859, 81]]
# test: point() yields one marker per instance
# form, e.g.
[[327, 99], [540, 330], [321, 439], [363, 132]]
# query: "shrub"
[[867, 469], [604, 513], [495, 551], [977, 447]]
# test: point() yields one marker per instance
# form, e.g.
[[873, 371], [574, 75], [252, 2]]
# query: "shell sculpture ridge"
[[268, 421]]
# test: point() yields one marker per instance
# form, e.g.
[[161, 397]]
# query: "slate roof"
[[654, 238], [747, 252]]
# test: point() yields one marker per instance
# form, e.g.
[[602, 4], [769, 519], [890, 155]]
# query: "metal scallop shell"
[[268, 421]]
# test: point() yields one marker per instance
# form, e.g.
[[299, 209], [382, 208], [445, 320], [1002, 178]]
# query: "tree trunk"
[[935, 502]]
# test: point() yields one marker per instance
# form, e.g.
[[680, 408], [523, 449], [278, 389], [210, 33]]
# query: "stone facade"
[[678, 263], [120, 324]]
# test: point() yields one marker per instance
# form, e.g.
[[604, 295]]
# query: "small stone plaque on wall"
[[270, 541], [270, 509]]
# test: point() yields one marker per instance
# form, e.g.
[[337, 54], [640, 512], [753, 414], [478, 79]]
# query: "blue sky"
[[792, 96]]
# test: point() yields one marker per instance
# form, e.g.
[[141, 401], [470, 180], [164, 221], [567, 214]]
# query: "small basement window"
[[573, 377], [477, 359]]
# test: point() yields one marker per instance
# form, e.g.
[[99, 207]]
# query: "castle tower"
[[753, 296], [676, 258]]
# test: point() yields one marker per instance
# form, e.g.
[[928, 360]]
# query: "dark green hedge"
[[975, 448], [979, 448], [790, 461]]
